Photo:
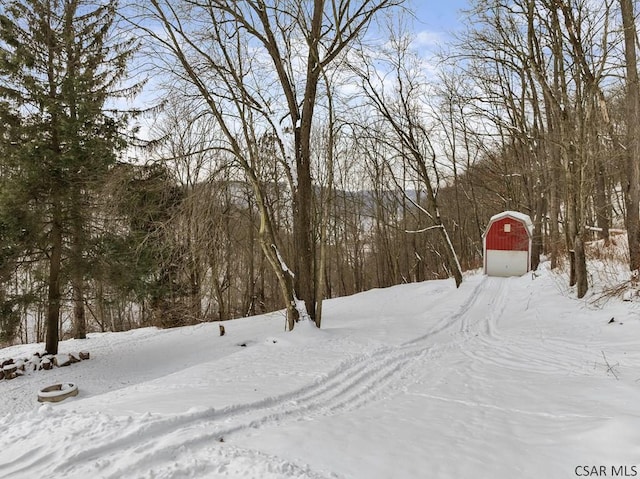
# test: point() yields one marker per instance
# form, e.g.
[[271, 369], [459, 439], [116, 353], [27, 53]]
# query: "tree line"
[[300, 150]]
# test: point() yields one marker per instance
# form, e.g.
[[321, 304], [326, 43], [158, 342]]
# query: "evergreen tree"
[[61, 62]]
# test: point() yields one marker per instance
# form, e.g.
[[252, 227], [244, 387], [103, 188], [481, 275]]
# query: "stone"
[[6, 362], [61, 360]]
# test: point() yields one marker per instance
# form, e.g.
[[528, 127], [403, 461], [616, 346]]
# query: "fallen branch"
[[610, 368]]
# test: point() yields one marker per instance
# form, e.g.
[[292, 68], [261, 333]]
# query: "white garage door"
[[507, 263]]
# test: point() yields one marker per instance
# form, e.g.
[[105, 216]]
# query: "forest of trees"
[[296, 150]]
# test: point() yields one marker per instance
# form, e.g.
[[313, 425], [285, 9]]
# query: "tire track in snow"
[[544, 355], [460, 315], [352, 388], [493, 299], [541, 357], [356, 382], [497, 310]]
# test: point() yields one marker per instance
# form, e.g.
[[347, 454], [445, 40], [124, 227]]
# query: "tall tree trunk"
[[77, 274], [554, 230], [540, 206], [79, 316], [580, 266], [633, 147], [601, 201], [55, 263], [303, 200], [250, 302], [325, 208], [302, 232]]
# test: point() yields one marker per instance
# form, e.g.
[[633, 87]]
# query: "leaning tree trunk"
[[450, 253], [271, 251]]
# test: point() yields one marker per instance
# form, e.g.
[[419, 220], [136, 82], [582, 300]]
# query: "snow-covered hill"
[[501, 379]]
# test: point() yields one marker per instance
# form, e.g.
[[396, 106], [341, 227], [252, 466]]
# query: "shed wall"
[[517, 239]]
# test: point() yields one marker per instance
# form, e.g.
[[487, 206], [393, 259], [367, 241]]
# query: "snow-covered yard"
[[501, 379]]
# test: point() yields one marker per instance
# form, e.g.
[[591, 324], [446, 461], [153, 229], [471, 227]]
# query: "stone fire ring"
[[57, 392]]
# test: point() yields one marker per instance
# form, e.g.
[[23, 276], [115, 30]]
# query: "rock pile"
[[12, 368]]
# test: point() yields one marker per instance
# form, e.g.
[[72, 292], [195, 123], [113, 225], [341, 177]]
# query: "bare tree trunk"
[[250, 302], [600, 198], [303, 195], [581, 266], [537, 230], [267, 239], [571, 226], [326, 201], [633, 145], [554, 230]]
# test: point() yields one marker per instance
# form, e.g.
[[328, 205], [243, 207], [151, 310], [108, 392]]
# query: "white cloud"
[[428, 39]]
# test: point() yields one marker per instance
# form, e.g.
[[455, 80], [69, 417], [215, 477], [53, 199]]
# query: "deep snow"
[[501, 378]]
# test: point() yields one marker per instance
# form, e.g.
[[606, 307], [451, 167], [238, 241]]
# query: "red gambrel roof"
[[525, 219], [508, 231]]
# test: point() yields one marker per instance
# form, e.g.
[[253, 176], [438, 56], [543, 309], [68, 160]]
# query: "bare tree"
[[246, 59], [402, 110], [540, 73]]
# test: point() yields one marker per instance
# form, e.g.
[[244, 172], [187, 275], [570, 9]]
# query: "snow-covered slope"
[[502, 378]]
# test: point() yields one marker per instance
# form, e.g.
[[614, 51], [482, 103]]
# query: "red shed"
[[507, 244]]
